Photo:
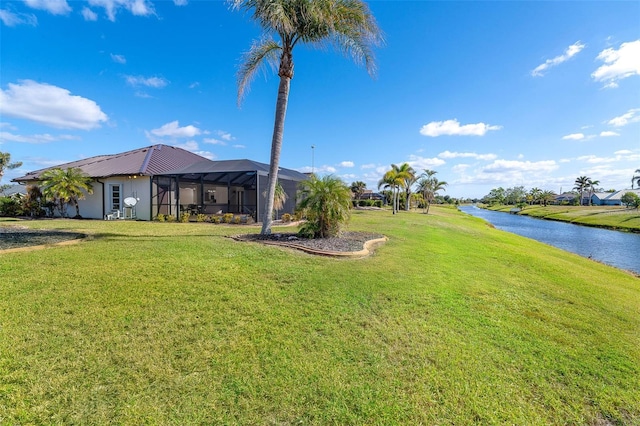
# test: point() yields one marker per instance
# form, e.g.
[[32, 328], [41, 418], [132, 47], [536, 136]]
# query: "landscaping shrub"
[[286, 218], [227, 217], [160, 217], [184, 217], [201, 218], [170, 218]]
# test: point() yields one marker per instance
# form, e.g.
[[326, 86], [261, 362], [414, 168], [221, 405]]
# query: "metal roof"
[[161, 160], [236, 166]]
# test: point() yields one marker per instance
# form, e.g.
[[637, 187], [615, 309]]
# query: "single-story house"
[[163, 179], [565, 198], [611, 198]]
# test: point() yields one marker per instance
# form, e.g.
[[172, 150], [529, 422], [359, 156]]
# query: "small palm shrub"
[[201, 218], [325, 204], [216, 219], [170, 218], [184, 217], [227, 217], [160, 217], [286, 218], [237, 220]]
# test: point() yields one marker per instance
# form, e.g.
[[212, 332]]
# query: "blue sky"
[[488, 94]]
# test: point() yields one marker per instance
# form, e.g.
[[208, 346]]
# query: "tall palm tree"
[[390, 181], [347, 25], [280, 197], [580, 185], [6, 164], [358, 189], [429, 187], [66, 187], [592, 188], [407, 182], [636, 178]]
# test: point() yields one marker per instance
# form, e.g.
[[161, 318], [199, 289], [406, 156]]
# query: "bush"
[[201, 218], [160, 217], [170, 218], [216, 219], [377, 203], [286, 218], [325, 203], [631, 200], [227, 217], [184, 217], [10, 206]]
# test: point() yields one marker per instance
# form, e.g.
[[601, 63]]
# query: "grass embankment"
[[611, 217], [449, 322]]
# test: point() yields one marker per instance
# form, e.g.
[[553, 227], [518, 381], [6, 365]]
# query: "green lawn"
[[449, 322], [613, 217]]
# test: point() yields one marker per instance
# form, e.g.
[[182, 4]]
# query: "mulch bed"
[[344, 243], [13, 237]]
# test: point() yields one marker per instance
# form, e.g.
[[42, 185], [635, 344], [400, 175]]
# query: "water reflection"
[[619, 249]]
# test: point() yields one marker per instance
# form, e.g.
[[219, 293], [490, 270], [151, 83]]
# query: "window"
[[115, 197]]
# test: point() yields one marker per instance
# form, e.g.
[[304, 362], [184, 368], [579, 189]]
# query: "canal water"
[[615, 248]]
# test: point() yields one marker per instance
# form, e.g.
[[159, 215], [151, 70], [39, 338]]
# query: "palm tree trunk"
[[276, 147]]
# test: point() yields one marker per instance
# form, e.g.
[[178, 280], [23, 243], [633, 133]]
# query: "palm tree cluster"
[[400, 179], [584, 184], [429, 186], [347, 25], [66, 187]]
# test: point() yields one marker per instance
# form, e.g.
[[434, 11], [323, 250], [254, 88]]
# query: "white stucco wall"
[[92, 206]]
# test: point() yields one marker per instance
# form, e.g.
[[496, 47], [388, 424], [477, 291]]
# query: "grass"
[[449, 322], [611, 217]]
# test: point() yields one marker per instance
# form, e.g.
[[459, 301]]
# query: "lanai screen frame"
[[242, 191]]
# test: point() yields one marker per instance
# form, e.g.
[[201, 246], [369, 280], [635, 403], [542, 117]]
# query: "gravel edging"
[[349, 244]]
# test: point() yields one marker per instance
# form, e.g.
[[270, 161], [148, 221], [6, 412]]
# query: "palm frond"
[[263, 52]]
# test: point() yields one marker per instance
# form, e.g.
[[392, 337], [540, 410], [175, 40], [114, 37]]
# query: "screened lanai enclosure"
[[219, 187]]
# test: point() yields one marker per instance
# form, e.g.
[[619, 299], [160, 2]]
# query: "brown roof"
[[150, 160]]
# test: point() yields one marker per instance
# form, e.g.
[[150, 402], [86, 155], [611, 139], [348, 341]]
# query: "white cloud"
[[501, 166], [195, 148], [608, 133], [11, 19], [618, 64], [630, 116], [623, 152], [574, 136], [44, 138], [368, 166], [226, 136], [571, 51], [453, 127], [213, 141], [88, 14], [592, 159], [317, 169], [347, 164], [349, 176], [55, 7], [449, 154], [50, 105], [180, 2], [120, 59], [143, 95], [155, 82], [136, 7], [421, 163], [460, 168], [239, 146], [173, 130]]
